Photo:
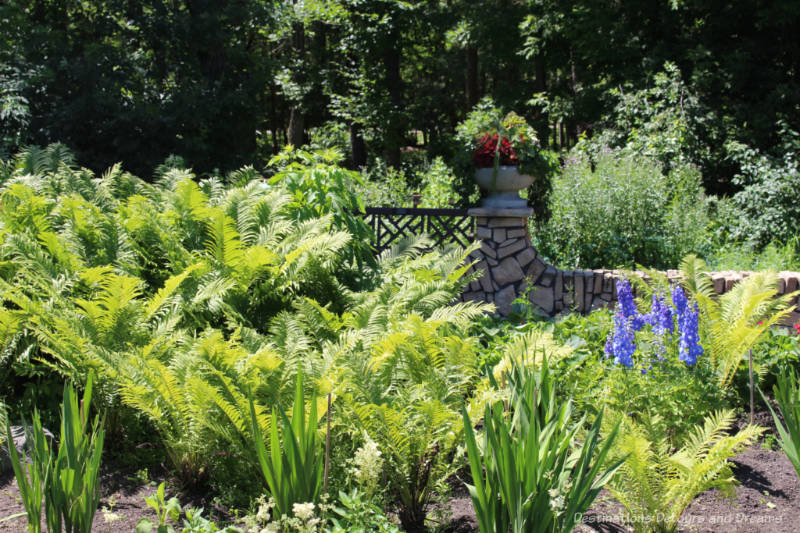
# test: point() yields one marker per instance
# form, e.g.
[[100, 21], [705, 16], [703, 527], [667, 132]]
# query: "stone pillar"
[[511, 267], [506, 256]]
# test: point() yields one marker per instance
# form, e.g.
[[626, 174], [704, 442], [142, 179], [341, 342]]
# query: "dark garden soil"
[[768, 501], [124, 487]]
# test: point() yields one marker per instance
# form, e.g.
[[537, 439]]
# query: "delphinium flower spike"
[[627, 306]]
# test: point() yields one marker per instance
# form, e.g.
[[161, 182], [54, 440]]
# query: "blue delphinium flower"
[[689, 346], [627, 306], [620, 342], [660, 316], [679, 301]]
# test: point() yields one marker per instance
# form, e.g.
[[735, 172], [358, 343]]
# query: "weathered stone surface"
[[475, 286], [518, 232], [473, 296], [598, 281], [579, 279], [483, 232], [506, 222], [559, 283], [509, 250], [485, 279], [543, 298], [598, 303], [535, 270], [492, 262], [19, 439], [559, 306], [791, 284], [508, 271], [487, 250], [587, 302], [503, 299], [495, 286], [548, 276], [481, 221], [609, 283], [508, 242], [499, 234], [526, 256], [606, 296]]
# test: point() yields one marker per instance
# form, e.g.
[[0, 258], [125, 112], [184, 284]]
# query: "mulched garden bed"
[[768, 500]]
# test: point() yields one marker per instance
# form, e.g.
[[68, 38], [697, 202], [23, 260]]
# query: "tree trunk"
[[471, 88], [296, 127], [358, 150], [394, 85]]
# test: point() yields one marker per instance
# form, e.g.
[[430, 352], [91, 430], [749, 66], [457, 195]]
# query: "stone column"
[[505, 257]]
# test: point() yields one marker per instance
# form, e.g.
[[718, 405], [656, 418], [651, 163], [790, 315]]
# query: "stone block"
[[588, 282], [568, 300], [487, 250], [492, 262], [606, 296], [503, 299], [508, 271], [481, 221], [587, 302], [559, 285], [474, 296], [499, 234], [542, 297], [548, 276], [579, 279], [791, 283], [517, 232], [485, 279], [534, 270], [483, 233], [609, 283], [495, 286], [719, 284], [505, 251], [526, 256], [503, 222], [598, 303], [559, 306], [598, 281], [475, 286]]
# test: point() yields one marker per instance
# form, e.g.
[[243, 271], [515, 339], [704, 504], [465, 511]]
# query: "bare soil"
[[768, 501]]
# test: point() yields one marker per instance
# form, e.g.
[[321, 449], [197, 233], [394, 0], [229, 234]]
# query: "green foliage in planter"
[[67, 480], [657, 482], [527, 476]]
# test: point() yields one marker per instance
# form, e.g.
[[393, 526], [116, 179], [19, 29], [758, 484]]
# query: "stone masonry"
[[510, 266]]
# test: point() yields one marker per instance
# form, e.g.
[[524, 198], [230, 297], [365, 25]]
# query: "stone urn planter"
[[505, 193]]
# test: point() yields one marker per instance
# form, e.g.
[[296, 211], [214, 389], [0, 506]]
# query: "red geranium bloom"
[[484, 153]]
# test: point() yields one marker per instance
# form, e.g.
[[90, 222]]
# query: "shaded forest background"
[[224, 83]]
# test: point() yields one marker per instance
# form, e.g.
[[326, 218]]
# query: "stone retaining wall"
[[510, 265]]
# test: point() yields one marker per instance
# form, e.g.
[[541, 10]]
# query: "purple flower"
[[627, 306], [620, 342], [689, 346], [660, 316], [679, 300]]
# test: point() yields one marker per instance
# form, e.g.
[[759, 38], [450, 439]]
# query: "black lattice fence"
[[443, 226]]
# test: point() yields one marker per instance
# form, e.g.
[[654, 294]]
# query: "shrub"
[[621, 210], [767, 205]]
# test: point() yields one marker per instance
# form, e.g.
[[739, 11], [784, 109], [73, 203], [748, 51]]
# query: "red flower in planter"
[[797, 328], [487, 145]]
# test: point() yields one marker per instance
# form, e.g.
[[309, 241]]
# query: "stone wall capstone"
[[510, 266]]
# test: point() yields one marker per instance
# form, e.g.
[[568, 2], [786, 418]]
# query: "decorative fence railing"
[[444, 226]]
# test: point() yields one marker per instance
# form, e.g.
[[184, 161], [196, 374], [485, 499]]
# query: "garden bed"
[[768, 500]]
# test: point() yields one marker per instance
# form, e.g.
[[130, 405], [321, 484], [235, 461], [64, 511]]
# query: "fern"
[[656, 484], [734, 322]]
